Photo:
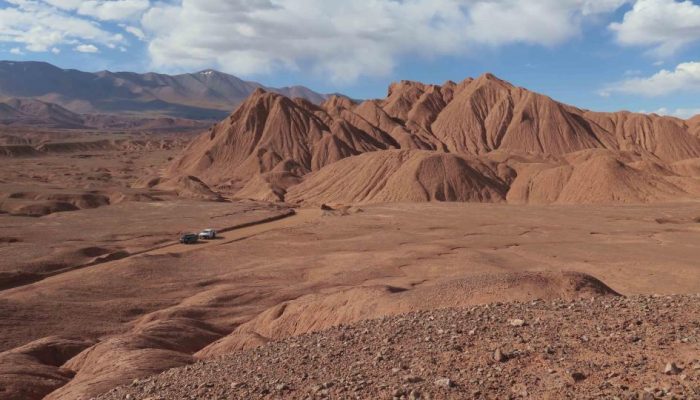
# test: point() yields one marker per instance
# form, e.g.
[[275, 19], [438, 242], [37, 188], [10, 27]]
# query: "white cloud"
[[113, 10], [546, 22], [65, 4], [682, 113], [56, 50], [341, 39], [39, 27], [136, 31], [352, 38], [86, 48], [686, 113], [105, 10], [686, 77], [16, 51], [664, 25]]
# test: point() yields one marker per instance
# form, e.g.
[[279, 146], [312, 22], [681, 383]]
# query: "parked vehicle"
[[207, 234], [188, 238]]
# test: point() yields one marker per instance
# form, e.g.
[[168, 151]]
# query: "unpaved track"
[[229, 235], [300, 216]]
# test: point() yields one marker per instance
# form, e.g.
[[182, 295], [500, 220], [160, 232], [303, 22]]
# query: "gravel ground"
[[608, 347]]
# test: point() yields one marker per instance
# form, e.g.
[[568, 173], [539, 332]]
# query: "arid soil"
[[605, 347], [436, 198], [36, 248], [47, 172], [87, 171], [142, 314]]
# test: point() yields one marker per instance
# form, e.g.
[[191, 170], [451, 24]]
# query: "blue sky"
[[639, 55]]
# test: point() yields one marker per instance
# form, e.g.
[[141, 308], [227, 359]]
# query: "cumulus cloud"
[[685, 77], [341, 40], [136, 31], [545, 22], [664, 25], [86, 48], [682, 113], [39, 27], [105, 10], [345, 40]]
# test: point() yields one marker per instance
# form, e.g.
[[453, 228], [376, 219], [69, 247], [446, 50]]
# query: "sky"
[[605, 55]]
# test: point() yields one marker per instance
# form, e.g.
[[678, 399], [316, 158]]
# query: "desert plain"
[[362, 253]]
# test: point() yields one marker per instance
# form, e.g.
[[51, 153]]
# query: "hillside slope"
[[480, 140], [603, 347]]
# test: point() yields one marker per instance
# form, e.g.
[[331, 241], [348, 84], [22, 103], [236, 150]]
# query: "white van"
[[207, 234]]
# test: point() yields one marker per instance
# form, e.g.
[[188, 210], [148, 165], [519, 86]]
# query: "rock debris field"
[[640, 347]]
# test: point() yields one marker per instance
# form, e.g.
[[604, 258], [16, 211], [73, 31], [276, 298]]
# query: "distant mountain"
[[207, 94], [36, 112], [32, 113]]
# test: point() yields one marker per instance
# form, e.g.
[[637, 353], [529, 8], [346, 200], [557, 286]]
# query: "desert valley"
[[464, 240]]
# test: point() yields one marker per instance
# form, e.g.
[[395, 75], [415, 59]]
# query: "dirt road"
[[300, 216], [227, 235]]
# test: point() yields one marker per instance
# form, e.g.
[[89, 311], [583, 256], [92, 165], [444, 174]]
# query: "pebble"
[[281, 387], [499, 356], [671, 369], [549, 359], [444, 383], [412, 379], [578, 376]]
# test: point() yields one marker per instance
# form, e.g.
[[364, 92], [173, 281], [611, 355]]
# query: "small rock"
[[578, 376], [516, 322], [315, 388], [646, 396], [414, 395], [520, 390], [671, 369], [412, 379], [281, 387], [499, 356], [444, 383]]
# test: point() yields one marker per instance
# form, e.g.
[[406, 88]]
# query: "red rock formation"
[[480, 117]]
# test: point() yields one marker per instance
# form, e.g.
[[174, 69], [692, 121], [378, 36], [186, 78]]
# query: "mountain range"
[[482, 140], [204, 95]]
